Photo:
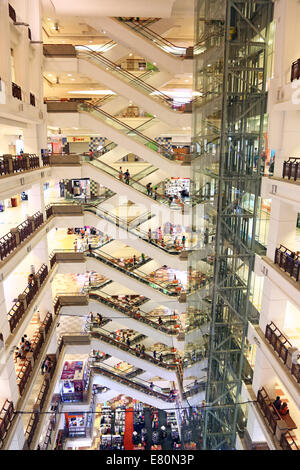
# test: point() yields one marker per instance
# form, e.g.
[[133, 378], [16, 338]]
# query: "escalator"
[[135, 280], [135, 387], [102, 340], [134, 236], [133, 140], [139, 320], [131, 87], [134, 190], [147, 44]]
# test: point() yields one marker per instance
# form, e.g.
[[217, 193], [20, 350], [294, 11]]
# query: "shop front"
[[74, 381]]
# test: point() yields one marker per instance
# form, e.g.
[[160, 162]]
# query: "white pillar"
[[4, 325], [253, 427], [31, 139], [264, 375], [282, 229], [36, 198], [273, 308], [8, 381], [5, 58]]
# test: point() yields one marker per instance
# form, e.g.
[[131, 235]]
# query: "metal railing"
[[104, 336], [163, 43], [142, 317], [126, 129]]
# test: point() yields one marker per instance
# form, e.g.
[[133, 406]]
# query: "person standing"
[[120, 174], [127, 176]]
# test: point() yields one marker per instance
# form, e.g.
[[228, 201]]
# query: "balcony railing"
[[16, 91], [6, 417], [10, 164], [32, 97], [291, 168], [282, 345], [10, 241], [12, 13], [295, 70], [288, 260], [39, 404], [272, 417], [28, 365], [279, 342], [268, 409], [25, 299]]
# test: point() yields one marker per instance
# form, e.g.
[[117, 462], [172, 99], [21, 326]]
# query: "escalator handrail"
[[144, 318], [130, 129], [122, 223], [130, 76], [131, 179], [138, 275], [139, 27]]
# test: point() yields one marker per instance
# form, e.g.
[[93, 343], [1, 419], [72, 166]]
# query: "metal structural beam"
[[230, 77]]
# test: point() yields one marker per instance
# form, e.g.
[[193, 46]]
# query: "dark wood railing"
[[268, 409], [10, 241], [23, 376], [288, 260], [295, 70], [281, 345], [287, 442], [16, 91], [6, 417], [18, 310], [32, 99], [291, 168], [279, 342], [12, 13], [11, 164]]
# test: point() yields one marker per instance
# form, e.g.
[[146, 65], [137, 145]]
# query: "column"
[[264, 375], [4, 325], [8, 381], [282, 227], [253, 427], [5, 57], [31, 139], [36, 198], [274, 303]]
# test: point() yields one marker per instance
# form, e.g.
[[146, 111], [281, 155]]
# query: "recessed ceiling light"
[[91, 42], [130, 54], [69, 75]]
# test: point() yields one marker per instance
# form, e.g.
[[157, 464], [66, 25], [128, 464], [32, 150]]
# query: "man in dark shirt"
[[277, 403]]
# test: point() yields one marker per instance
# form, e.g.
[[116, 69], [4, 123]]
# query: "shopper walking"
[[154, 354], [120, 174]]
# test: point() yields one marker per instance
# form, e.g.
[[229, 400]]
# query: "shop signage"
[[78, 139]]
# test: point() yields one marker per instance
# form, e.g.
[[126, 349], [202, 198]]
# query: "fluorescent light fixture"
[[92, 92]]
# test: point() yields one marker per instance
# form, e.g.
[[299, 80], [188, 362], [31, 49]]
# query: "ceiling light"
[[154, 63], [69, 75], [92, 92], [73, 79], [91, 42], [130, 54]]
